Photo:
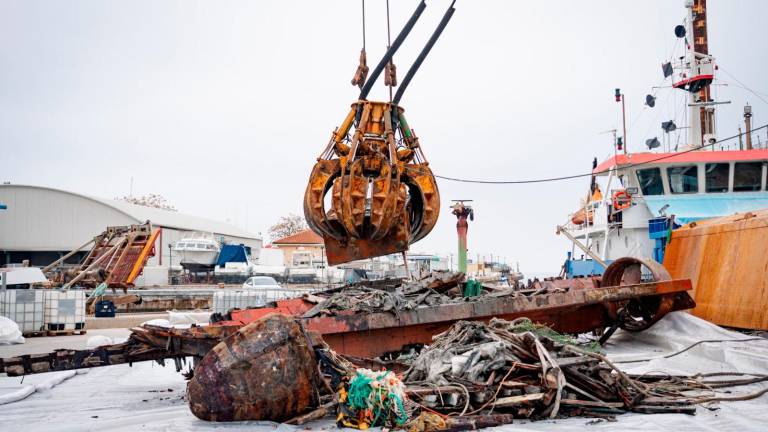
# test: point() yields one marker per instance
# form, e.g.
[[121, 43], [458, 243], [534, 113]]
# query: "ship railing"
[[586, 213], [595, 219]]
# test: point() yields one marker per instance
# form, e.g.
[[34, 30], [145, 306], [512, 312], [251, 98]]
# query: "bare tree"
[[287, 226], [151, 200]]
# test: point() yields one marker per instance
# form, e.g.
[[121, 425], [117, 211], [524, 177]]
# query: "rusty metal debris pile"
[[472, 375], [433, 289], [392, 295], [521, 370], [480, 375]]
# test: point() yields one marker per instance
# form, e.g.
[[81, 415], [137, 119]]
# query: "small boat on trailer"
[[198, 252]]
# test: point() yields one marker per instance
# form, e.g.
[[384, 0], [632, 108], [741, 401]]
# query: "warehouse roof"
[[301, 237], [159, 217]]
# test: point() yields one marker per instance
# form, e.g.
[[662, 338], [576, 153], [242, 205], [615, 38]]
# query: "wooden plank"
[[595, 404], [659, 409], [513, 384], [518, 400], [570, 361]]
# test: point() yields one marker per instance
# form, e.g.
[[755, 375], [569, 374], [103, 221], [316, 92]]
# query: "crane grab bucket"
[[372, 194]]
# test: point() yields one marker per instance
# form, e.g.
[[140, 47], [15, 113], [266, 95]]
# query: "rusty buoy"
[[265, 371]]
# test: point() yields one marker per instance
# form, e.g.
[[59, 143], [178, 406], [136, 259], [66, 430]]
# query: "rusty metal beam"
[[146, 343], [373, 334], [563, 231], [570, 311]]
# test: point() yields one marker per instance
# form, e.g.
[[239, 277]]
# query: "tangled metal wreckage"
[[417, 354], [116, 259]]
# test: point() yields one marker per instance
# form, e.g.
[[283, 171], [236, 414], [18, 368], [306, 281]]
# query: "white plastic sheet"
[[49, 381], [121, 398], [187, 318], [9, 332], [98, 340]]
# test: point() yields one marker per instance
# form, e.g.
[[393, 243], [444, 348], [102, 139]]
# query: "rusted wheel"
[[641, 313]]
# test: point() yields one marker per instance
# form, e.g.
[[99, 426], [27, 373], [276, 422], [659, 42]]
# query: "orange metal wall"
[[727, 260]]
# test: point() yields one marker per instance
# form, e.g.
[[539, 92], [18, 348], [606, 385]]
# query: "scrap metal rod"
[[561, 230], [60, 260]]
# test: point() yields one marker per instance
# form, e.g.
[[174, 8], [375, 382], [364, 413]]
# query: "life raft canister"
[[621, 200]]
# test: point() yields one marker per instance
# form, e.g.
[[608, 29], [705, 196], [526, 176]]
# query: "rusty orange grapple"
[[377, 186], [373, 193]]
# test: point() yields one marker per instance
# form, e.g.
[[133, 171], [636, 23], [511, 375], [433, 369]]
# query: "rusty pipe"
[[563, 231]]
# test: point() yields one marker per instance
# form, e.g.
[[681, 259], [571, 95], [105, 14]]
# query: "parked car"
[[261, 282]]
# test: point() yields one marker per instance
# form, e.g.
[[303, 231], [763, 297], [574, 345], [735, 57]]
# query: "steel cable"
[[574, 176]]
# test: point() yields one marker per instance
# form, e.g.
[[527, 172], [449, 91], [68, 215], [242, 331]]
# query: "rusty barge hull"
[[574, 311], [726, 261]]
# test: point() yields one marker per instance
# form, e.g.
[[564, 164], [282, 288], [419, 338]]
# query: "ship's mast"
[[702, 111]]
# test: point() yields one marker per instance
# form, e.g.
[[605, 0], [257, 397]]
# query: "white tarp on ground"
[[151, 398], [9, 332], [188, 317]]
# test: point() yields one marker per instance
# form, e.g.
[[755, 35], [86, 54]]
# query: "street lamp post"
[[170, 263], [620, 98], [462, 213]]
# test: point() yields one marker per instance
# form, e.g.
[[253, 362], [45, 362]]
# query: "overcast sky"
[[223, 106]]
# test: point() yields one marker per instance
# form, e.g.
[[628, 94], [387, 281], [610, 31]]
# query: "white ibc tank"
[[223, 301], [25, 307], [64, 310]]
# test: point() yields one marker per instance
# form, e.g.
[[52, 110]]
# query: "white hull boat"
[[198, 252]]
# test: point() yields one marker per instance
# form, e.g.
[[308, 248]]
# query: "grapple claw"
[[421, 180], [383, 196], [320, 181]]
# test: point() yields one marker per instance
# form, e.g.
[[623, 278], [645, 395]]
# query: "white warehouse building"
[[40, 224]]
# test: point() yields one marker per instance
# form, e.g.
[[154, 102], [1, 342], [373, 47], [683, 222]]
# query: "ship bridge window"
[[683, 179], [717, 177], [650, 181], [747, 176]]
